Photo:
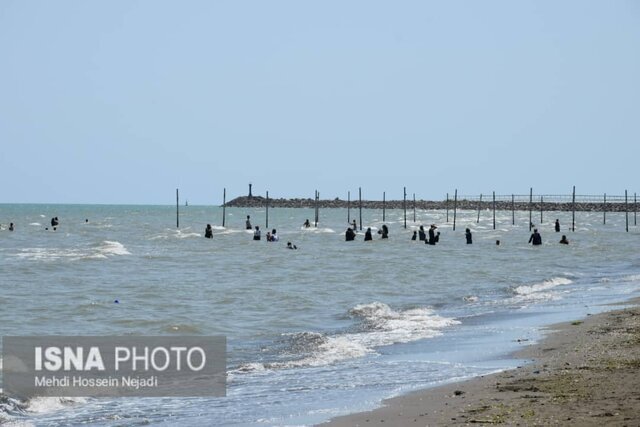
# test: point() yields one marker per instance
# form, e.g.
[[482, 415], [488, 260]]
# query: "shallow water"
[[330, 328]]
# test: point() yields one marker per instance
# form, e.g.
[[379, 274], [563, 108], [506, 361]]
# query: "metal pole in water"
[[513, 209], [494, 210], [573, 215], [479, 205], [177, 209], [348, 207], [626, 210], [455, 208], [267, 211], [224, 205], [360, 202], [604, 209], [404, 206], [530, 207], [541, 203], [383, 205], [635, 209], [317, 208]]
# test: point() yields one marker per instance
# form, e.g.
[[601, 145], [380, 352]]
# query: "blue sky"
[[123, 101]]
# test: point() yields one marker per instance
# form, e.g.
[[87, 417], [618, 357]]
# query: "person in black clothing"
[[248, 223], [422, 234], [557, 226], [355, 227], [564, 240], [208, 232], [367, 235], [349, 235], [384, 231], [415, 235], [437, 237], [432, 235], [54, 221], [536, 238], [11, 227], [307, 224], [467, 234]]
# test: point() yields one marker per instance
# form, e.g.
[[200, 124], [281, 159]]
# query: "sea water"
[[330, 328]]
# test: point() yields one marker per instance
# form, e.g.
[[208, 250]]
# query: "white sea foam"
[[41, 405], [102, 251], [547, 290], [109, 247], [35, 223], [317, 230], [543, 286], [380, 326]]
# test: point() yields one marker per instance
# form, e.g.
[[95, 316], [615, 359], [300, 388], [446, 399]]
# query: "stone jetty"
[[464, 204]]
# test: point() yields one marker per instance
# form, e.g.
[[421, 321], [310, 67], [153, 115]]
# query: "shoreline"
[[583, 372]]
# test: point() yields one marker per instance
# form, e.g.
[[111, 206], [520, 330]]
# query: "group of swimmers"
[[536, 239], [430, 237], [434, 236]]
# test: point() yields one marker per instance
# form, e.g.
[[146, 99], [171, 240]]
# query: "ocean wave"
[[380, 326], [317, 230], [177, 234], [101, 251], [542, 286], [13, 410], [109, 247], [542, 291]]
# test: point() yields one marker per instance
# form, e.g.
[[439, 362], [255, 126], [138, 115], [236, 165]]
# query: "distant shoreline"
[[259, 202]]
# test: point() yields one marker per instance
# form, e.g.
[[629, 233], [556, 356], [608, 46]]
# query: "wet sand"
[[584, 373]]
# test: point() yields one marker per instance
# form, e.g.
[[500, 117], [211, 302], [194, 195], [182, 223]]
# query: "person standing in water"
[[248, 223], [422, 234], [557, 226], [536, 238], [307, 224], [349, 235], [415, 235], [432, 235], [274, 236], [355, 227], [208, 232], [384, 231], [367, 235], [564, 240], [467, 234], [11, 227], [256, 234]]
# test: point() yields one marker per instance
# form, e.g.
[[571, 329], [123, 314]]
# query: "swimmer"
[[349, 235], [208, 232], [367, 235], [536, 238], [564, 240]]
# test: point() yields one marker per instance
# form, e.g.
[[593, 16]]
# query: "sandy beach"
[[584, 373]]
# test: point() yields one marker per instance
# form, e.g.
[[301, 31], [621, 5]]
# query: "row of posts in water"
[[455, 207]]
